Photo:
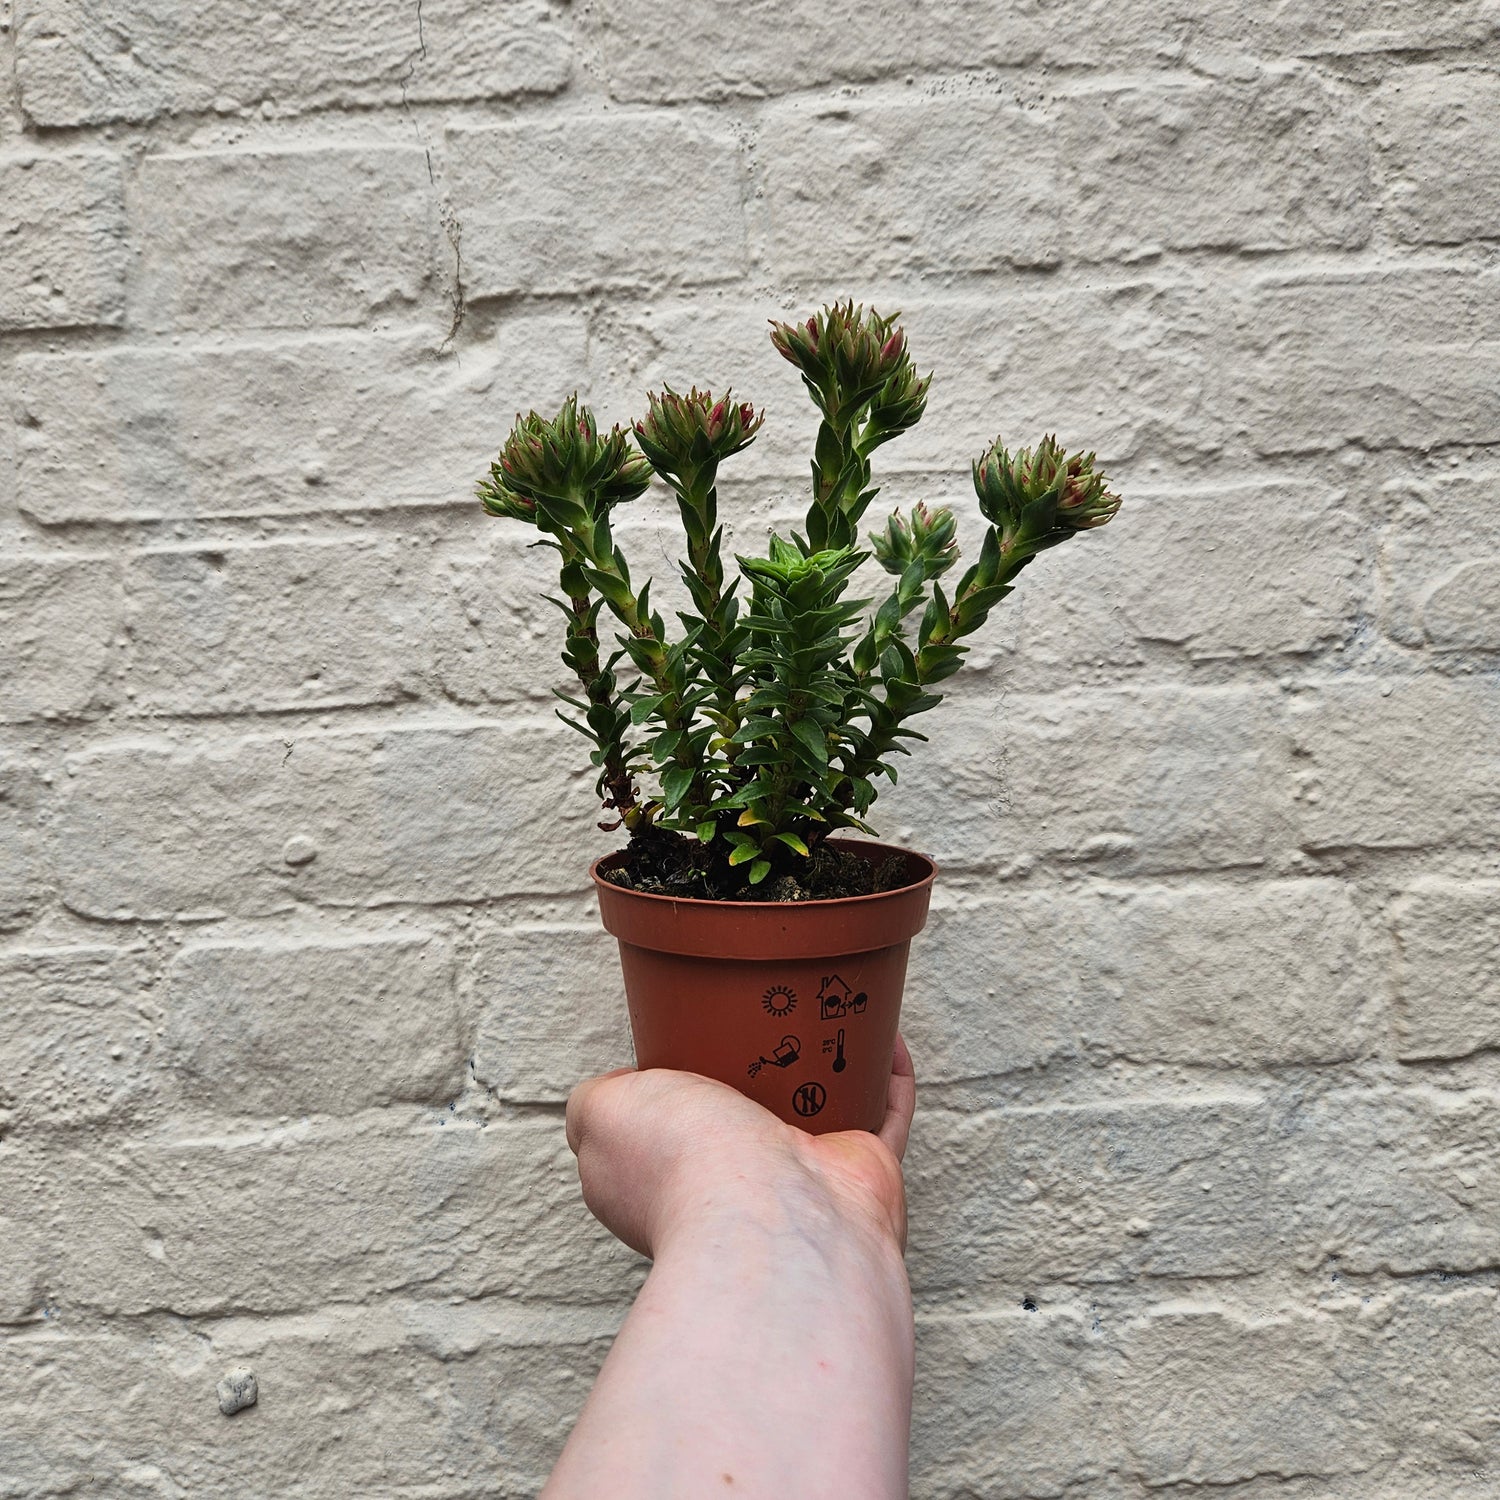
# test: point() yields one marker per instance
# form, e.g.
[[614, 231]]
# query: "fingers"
[[901, 1100]]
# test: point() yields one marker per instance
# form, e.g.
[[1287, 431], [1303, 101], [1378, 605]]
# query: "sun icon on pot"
[[779, 1000]]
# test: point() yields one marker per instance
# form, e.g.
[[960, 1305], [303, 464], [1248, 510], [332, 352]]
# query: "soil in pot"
[[661, 862]]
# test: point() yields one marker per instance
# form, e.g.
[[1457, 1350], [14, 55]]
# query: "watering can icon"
[[783, 1055]]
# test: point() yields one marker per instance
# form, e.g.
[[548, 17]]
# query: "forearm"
[[769, 1354]]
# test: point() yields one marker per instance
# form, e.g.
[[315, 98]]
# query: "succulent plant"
[[763, 726]]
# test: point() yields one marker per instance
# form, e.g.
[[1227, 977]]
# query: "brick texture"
[[289, 239], [993, 206], [62, 223], [298, 958], [259, 824], [1419, 777], [79, 1028], [1269, 164], [225, 629], [84, 62], [20, 863], [1448, 934], [151, 432], [667, 193], [1016, 1200], [1428, 119], [67, 618], [1440, 567], [315, 1028]]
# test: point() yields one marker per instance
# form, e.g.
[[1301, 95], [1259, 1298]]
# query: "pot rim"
[[933, 870]]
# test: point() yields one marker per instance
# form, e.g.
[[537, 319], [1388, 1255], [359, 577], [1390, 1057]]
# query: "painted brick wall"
[[296, 968]]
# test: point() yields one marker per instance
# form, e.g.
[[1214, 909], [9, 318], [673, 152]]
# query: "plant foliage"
[[764, 723]]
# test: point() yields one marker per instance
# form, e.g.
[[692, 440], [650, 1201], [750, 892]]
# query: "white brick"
[[1272, 164], [81, 62], [651, 52], [1138, 781], [293, 1219], [852, 195], [1219, 975], [60, 621], [390, 1400], [305, 624], [77, 1039], [1274, 974], [551, 1008], [1014, 1200], [20, 868], [9, 507], [1395, 358], [410, 814], [538, 360], [1008, 1403], [1350, 27], [663, 204], [1442, 161], [1396, 1181], [1440, 566], [23, 1276], [282, 239], [1208, 1398], [1440, 1365], [62, 225], [1114, 370], [661, 53], [1254, 572], [1396, 764], [10, 103], [989, 992], [493, 637], [1448, 971], [315, 1028], [334, 423]]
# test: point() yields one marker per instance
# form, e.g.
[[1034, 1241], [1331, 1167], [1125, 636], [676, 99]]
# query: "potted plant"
[[757, 946]]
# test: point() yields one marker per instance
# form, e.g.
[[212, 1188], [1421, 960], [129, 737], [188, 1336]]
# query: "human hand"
[[772, 1347], [659, 1150]]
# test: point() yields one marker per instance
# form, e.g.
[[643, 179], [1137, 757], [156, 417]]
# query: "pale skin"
[[770, 1352]]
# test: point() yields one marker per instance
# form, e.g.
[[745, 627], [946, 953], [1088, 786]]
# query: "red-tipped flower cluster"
[[929, 537], [851, 358], [1034, 492], [562, 462], [685, 435]]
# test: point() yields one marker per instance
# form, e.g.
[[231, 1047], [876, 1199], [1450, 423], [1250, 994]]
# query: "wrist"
[[788, 1202]]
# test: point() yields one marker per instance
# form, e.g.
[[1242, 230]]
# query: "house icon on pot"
[[835, 1000]]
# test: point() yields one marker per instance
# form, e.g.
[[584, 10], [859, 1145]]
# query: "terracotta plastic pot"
[[793, 1003]]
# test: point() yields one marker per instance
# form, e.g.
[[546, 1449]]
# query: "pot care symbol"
[[836, 1001], [783, 1055], [779, 1000], [809, 1099], [837, 1048]]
